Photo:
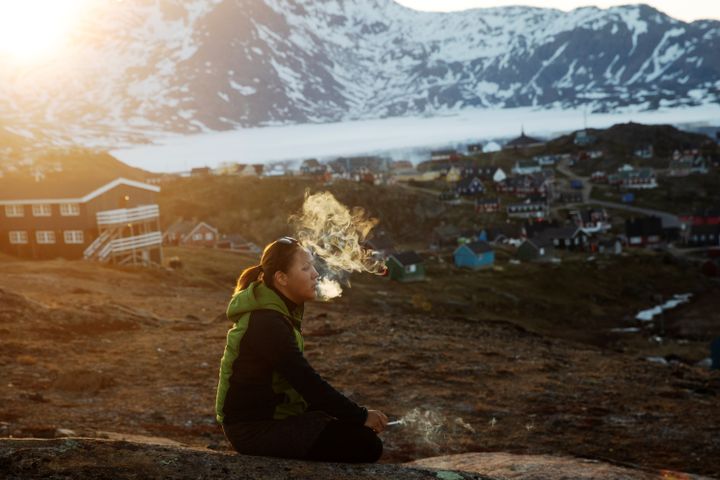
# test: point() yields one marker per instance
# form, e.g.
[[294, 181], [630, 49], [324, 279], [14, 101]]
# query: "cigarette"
[[395, 422]]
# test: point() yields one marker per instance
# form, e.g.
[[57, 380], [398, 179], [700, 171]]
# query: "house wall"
[[86, 222], [464, 257], [203, 241], [398, 272]]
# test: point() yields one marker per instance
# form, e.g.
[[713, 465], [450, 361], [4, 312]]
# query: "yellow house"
[[453, 175]]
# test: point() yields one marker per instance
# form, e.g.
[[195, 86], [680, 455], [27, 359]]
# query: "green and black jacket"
[[263, 373]]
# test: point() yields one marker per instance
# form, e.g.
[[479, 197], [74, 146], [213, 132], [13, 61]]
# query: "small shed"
[[406, 266], [474, 255]]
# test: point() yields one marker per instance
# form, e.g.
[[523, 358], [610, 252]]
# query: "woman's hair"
[[277, 257]]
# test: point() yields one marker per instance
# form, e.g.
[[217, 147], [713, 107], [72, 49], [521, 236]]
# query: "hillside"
[[258, 208], [523, 355], [38, 175]]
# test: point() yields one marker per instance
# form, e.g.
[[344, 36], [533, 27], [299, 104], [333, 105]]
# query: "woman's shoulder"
[[269, 318]]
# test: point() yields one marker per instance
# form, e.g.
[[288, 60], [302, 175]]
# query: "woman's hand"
[[376, 420]]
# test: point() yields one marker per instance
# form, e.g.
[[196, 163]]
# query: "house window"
[[14, 211], [410, 268], [45, 236], [69, 209], [197, 236], [74, 237], [18, 237], [208, 236], [41, 210]]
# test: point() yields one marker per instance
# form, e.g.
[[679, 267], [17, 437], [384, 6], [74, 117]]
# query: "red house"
[[193, 233], [75, 217]]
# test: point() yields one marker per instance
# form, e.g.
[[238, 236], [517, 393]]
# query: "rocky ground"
[[520, 360]]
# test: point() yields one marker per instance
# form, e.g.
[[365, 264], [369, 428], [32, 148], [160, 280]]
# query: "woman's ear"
[[280, 278]]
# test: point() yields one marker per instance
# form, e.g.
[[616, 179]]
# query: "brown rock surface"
[[544, 467], [92, 459]]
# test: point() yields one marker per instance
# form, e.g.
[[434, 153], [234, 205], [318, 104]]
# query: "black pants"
[[346, 442]]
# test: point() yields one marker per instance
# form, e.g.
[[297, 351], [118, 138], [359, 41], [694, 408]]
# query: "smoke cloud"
[[335, 234]]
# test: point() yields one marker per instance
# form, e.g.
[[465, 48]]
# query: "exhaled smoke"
[[335, 234], [432, 428]]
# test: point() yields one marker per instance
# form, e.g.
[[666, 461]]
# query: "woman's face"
[[300, 281]]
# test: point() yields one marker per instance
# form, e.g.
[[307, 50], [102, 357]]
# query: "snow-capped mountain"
[[141, 66]]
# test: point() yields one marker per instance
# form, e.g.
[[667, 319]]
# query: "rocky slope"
[[519, 360], [93, 459]]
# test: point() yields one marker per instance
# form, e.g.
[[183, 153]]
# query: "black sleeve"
[[271, 337]]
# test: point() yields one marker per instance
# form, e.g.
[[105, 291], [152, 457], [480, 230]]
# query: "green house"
[[405, 267]]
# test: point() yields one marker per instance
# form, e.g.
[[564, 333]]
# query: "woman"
[[270, 401]]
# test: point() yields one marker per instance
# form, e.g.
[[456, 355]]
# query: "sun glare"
[[30, 29]]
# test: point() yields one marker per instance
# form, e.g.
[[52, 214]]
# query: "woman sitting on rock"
[[270, 401]]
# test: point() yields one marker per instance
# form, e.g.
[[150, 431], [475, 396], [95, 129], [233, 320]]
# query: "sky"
[[687, 10]]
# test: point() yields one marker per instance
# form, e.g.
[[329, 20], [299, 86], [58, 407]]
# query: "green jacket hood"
[[258, 296]]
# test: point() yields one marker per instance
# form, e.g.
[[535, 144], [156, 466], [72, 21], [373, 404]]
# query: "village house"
[[644, 231], [236, 243], [584, 138], [201, 172], [687, 163], [77, 217], [579, 240], [444, 155], [570, 197], [523, 142], [505, 233], [645, 152], [702, 236], [470, 186], [275, 170], [405, 267], [536, 209], [525, 185], [312, 167], [453, 175], [599, 177], [359, 167], [703, 216], [487, 205], [609, 245], [592, 220], [401, 165], [475, 148], [191, 233], [380, 243], [546, 160], [474, 255], [526, 167], [536, 249], [642, 178]]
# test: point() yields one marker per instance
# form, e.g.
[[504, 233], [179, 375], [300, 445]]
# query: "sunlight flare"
[[30, 29]]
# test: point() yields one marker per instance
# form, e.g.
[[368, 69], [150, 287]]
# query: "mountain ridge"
[[212, 65]]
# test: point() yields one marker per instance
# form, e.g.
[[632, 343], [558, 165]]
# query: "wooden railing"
[[92, 249], [139, 241], [128, 215], [102, 248]]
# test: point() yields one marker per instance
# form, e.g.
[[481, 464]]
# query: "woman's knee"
[[373, 445]]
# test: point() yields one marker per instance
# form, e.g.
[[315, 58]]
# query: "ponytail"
[[277, 257], [248, 276]]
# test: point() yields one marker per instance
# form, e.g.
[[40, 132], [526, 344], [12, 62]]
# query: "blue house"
[[474, 255]]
